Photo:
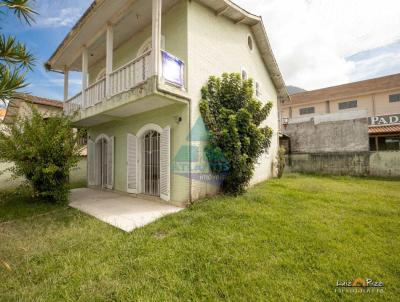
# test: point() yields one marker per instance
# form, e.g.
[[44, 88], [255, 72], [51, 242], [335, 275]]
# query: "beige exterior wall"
[[217, 45], [376, 104], [174, 31], [383, 107], [26, 111], [320, 108]]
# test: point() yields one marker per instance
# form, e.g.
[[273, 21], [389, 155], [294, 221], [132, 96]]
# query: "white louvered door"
[[90, 163], [165, 147], [110, 163], [132, 171]]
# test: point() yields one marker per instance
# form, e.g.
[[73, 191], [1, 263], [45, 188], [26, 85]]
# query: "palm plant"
[[15, 59]]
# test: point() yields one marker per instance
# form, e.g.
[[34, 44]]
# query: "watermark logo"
[[200, 158], [359, 286]]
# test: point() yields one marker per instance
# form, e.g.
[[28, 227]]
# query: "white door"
[[110, 163], [165, 153], [91, 163], [131, 164]]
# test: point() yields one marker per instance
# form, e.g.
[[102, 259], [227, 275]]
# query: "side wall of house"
[[26, 111], [217, 45]]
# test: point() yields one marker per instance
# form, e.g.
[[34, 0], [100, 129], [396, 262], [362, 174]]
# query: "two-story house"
[[143, 64]]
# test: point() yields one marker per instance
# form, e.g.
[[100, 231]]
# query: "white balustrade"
[[73, 104], [122, 79], [131, 74], [96, 93]]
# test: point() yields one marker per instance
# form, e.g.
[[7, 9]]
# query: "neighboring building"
[[21, 107], [143, 64], [376, 99]]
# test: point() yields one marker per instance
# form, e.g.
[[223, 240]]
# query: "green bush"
[[233, 117], [281, 161], [43, 151]]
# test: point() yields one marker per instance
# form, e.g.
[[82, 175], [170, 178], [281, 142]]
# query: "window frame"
[[347, 105], [396, 97], [304, 110]]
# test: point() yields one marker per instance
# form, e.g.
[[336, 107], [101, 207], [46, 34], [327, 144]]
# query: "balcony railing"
[[96, 93], [125, 78], [131, 74]]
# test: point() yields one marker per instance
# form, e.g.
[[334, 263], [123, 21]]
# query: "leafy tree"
[[15, 59], [43, 150], [233, 118]]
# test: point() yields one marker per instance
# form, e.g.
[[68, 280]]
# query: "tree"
[[15, 59], [233, 118], [43, 150]]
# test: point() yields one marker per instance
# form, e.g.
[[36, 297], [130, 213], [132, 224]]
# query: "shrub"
[[43, 151], [281, 161], [233, 118]]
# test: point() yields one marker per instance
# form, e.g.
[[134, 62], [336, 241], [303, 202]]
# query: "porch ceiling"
[[127, 16]]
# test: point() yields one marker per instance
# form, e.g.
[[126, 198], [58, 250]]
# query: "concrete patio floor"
[[122, 211]]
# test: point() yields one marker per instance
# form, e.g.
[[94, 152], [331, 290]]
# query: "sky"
[[317, 43]]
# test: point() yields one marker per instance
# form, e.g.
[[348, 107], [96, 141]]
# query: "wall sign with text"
[[384, 120]]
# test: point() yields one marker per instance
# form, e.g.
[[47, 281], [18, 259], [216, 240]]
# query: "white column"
[[109, 57], [85, 77], [156, 37], [66, 74]]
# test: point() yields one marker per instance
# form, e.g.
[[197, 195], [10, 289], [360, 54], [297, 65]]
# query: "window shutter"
[[132, 164], [110, 163], [165, 143], [90, 163]]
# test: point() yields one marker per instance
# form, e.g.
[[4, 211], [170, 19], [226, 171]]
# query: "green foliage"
[[43, 151], [233, 118], [15, 59], [281, 161]]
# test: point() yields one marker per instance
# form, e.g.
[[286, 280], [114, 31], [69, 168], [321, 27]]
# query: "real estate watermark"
[[197, 160], [360, 286]]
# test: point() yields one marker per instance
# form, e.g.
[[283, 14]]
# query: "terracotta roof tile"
[[384, 129], [347, 90]]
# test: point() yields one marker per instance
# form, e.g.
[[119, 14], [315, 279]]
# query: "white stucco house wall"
[[143, 64]]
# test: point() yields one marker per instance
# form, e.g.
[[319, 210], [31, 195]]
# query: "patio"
[[122, 211]]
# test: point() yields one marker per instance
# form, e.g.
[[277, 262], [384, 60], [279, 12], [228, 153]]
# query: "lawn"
[[285, 240]]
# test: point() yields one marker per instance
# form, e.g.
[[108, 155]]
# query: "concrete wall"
[[382, 164], [77, 175], [217, 45], [328, 136]]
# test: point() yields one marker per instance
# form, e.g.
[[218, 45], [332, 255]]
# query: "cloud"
[[59, 13], [313, 39]]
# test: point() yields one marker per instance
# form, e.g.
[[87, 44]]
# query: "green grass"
[[285, 240]]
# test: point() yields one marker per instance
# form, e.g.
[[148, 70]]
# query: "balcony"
[[126, 78], [127, 66]]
